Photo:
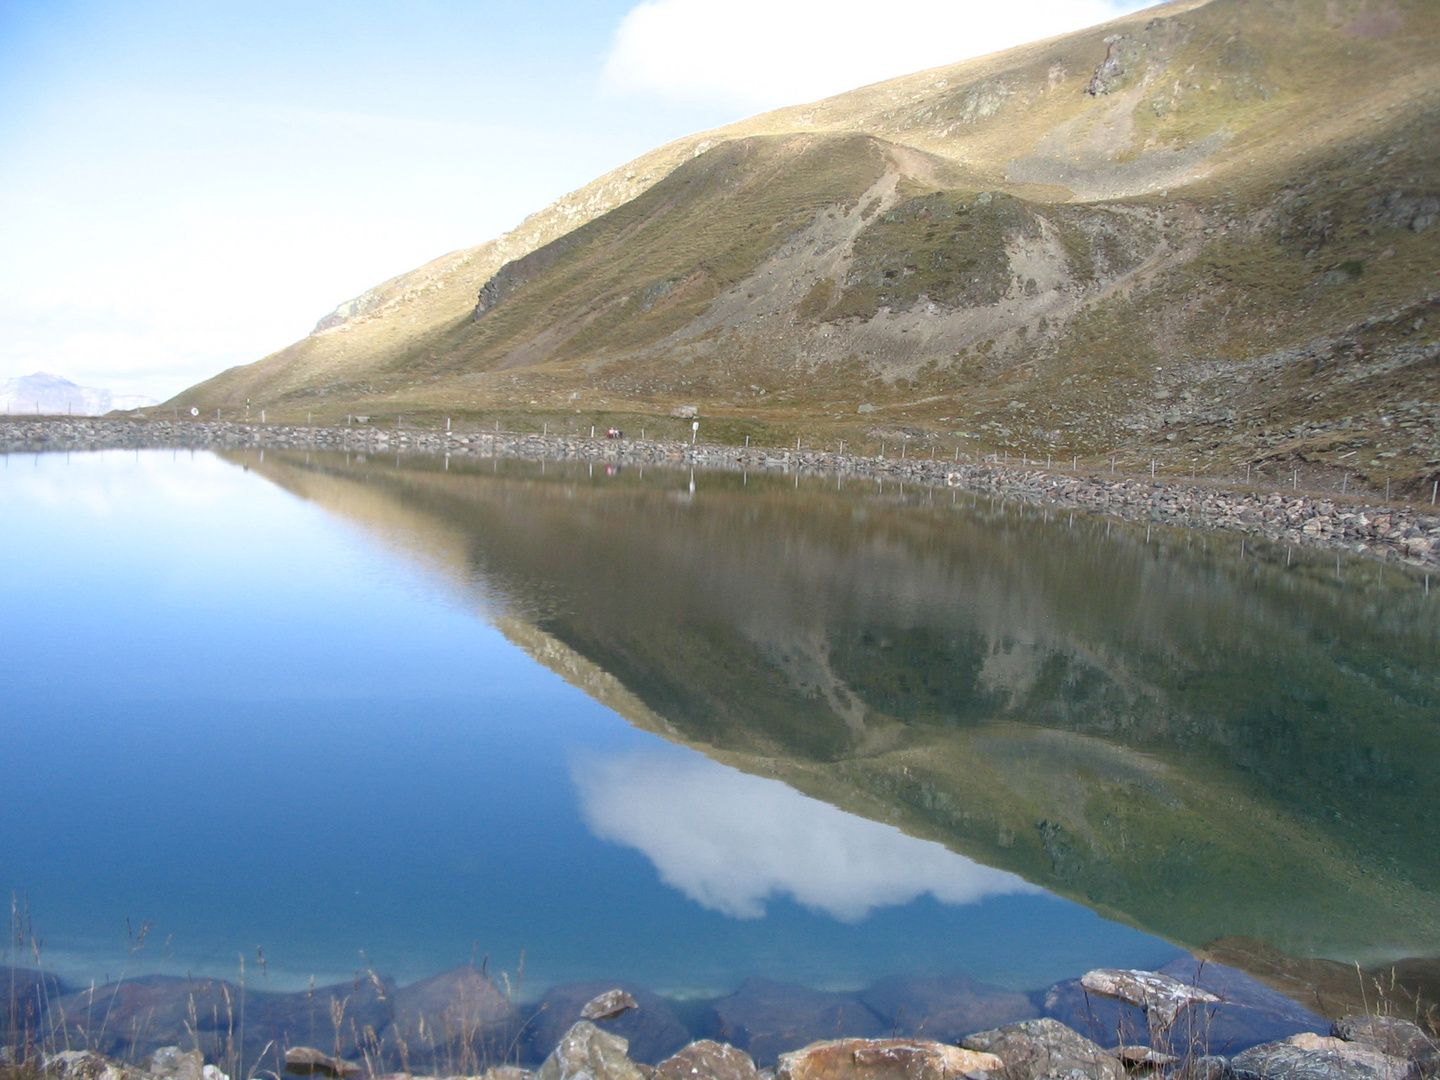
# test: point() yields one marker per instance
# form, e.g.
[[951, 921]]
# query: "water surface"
[[684, 731]]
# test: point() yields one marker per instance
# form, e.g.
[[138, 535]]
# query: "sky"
[[186, 185]]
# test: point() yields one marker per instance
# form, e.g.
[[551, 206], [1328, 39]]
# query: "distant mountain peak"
[[44, 394]]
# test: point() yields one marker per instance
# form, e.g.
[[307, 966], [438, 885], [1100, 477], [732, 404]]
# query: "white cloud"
[[731, 841], [767, 53]]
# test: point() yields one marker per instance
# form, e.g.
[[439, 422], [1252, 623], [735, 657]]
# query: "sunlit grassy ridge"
[[1164, 236]]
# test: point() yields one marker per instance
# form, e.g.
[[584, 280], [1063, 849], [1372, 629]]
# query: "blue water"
[[241, 723]]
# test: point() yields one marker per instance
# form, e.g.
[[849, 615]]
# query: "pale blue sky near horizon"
[[188, 186]]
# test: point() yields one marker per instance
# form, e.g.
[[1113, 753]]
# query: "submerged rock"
[[609, 1005], [1163, 997], [1045, 1049], [457, 1019], [587, 1053], [768, 1018], [707, 1060], [25, 994], [1248, 1013], [946, 1008], [308, 1017], [1317, 1057], [883, 1059], [132, 1019]]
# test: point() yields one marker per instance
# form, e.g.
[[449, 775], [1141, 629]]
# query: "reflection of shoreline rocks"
[[1354, 1048], [1388, 531], [459, 1023]]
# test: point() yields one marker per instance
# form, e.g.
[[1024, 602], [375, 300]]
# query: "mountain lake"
[[287, 717]]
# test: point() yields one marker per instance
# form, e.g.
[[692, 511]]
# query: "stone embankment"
[[1389, 530], [1144, 1023]]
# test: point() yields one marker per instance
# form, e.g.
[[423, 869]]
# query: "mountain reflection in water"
[[1197, 739]]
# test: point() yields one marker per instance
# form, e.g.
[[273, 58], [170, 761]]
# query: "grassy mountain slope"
[[1204, 232]]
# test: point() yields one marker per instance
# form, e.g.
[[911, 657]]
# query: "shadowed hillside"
[[1204, 232]]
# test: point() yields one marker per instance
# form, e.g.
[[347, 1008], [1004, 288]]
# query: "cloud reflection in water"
[[731, 841]]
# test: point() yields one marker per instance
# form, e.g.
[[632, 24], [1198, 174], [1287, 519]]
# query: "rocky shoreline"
[[1199, 1022], [1390, 531]]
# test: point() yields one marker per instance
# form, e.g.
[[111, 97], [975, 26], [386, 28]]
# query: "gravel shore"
[[1390, 530]]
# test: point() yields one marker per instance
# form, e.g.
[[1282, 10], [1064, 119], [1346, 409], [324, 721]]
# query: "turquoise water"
[[240, 717]]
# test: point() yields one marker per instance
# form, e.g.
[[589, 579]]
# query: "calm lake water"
[[687, 731]]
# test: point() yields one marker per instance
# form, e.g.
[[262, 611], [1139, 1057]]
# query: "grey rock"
[[768, 1018], [1163, 997], [587, 1053], [307, 1061], [1207, 1067], [1315, 1057], [1248, 1013], [1045, 1049], [651, 1029], [609, 1005], [707, 1060], [946, 1008], [172, 1063], [86, 1065], [1394, 1036]]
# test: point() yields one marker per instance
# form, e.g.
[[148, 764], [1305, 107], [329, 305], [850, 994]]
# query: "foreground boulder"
[[1318, 1057], [651, 1028], [167, 1063], [172, 1063], [707, 1060], [1394, 1036], [883, 1059], [1045, 1049], [307, 1061], [768, 1018], [86, 1065], [944, 1008], [587, 1053]]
